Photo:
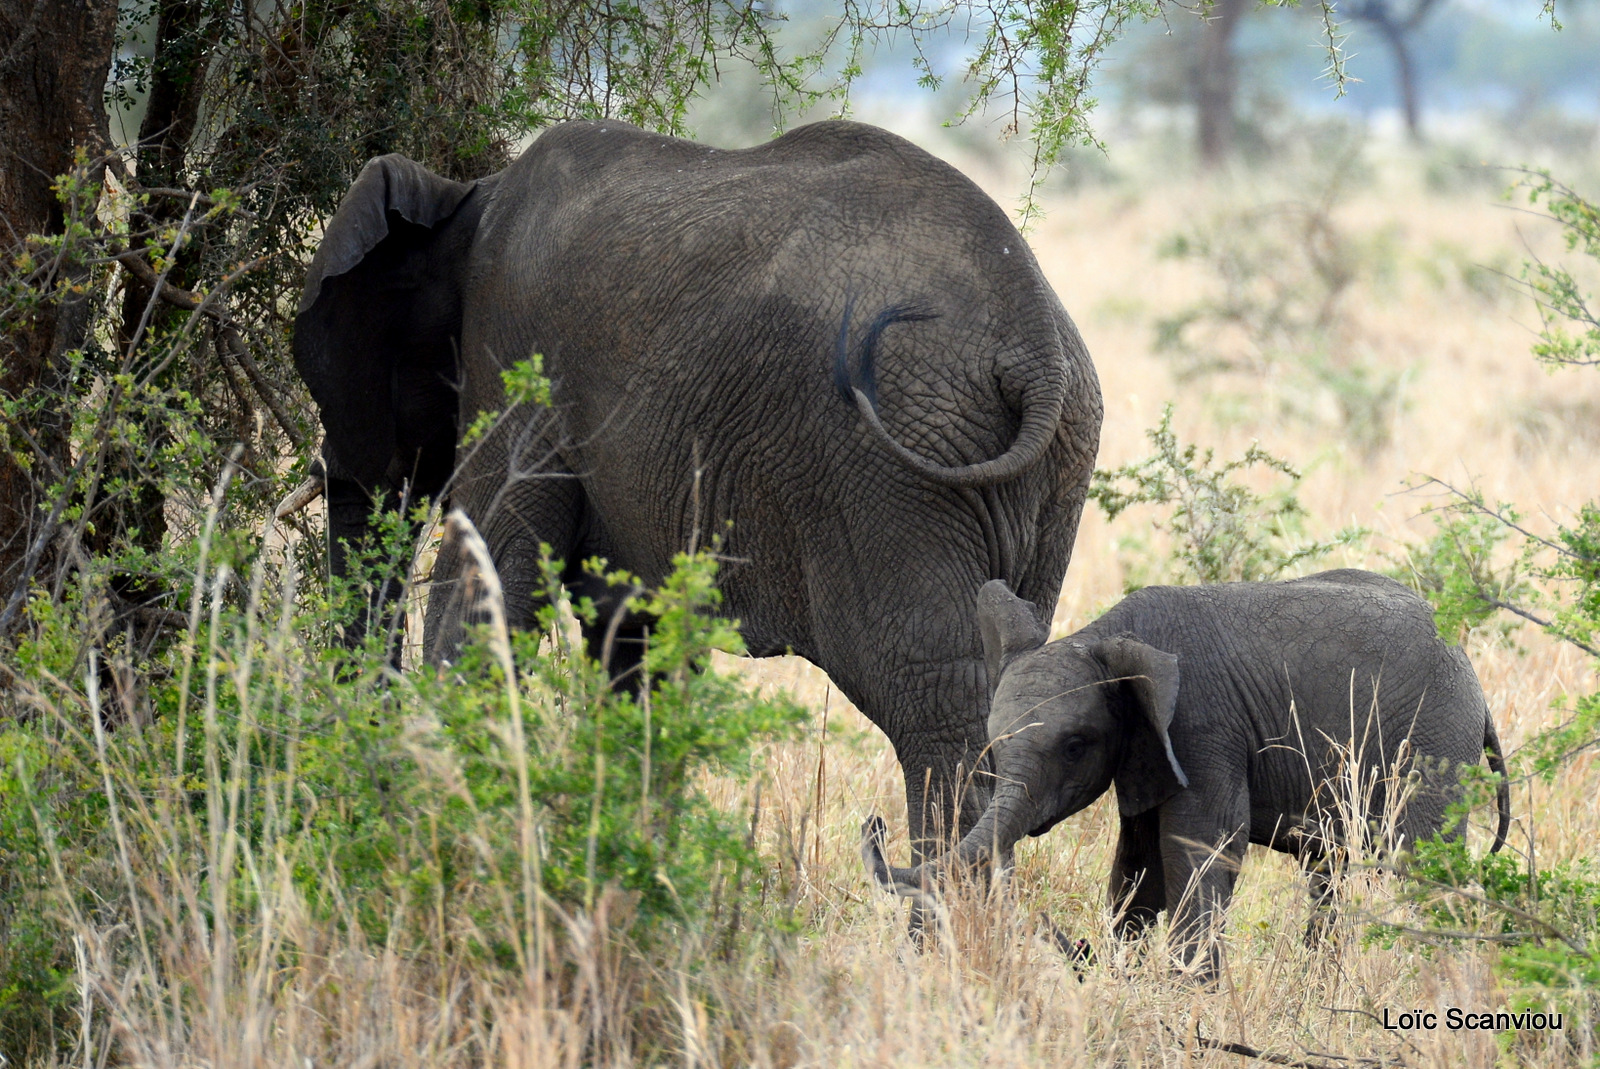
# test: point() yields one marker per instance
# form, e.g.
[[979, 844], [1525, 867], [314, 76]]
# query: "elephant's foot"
[[1320, 925], [1080, 955]]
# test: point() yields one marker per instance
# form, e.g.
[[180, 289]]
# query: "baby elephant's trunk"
[[996, 832], [919, 882]]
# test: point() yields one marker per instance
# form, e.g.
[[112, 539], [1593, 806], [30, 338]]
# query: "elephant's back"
[[696, 300], [1347, 616], [1322, 659], [608, 169], [634, 221]]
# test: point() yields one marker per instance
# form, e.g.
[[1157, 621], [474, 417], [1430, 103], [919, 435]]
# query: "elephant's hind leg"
[[1323, 871]]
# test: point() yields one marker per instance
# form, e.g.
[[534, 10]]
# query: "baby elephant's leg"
[[1203, 840], [1323, 870], [1138, 890]]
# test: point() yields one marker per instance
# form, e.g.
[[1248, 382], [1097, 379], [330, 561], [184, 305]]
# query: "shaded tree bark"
[[52, 83], [1217, 81], [185, 36]]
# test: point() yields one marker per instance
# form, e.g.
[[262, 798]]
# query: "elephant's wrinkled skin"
[[1224, 715], [833, 341]]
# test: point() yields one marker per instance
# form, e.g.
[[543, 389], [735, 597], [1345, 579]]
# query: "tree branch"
[[134, 261], [1244, 1050], [229, 337], [1548, 625]]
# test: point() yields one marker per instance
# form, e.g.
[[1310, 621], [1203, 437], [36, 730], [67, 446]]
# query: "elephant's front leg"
[[1204, 833], [357, 550], [943, 756], [517, 516], [1138, 888]]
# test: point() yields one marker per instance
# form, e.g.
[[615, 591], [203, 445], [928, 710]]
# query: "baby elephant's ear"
[[1149, 773], [1010, 628]]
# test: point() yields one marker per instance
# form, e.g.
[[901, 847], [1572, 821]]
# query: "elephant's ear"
[[380, 322], [1010, 628], [1149, 773], [386, 184]]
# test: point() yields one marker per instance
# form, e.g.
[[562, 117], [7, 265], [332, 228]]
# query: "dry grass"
[[848, 989]]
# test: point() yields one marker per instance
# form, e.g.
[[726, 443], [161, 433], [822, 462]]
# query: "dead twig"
[[1244, 1050], [1375, 1019]]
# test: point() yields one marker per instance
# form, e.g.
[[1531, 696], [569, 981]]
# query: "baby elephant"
[[1224, 715]]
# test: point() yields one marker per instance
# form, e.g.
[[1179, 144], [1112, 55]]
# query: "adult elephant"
[[833, 346]]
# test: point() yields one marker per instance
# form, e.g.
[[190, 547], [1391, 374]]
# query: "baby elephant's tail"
[[1497, 764]]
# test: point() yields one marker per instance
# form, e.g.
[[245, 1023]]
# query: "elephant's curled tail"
[[1497, 764], [1042, 406]]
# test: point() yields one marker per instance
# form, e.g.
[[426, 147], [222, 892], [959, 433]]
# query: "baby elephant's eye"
[[1073, 746]]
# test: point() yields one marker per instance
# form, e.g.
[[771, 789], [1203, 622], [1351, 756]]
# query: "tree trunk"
[[1396, 26], [52, 83], [184, 40], [1397, 37], [1217, 81]]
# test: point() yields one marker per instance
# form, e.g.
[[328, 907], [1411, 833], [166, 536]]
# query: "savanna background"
[[222, 842]]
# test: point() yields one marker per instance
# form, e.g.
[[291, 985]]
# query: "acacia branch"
[[241, 354], [227, 332], [1548, 625], [1546, 929], [1478, 505], [1505, 938]]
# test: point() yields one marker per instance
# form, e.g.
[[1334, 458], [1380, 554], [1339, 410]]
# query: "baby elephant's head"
[[1068, 719]]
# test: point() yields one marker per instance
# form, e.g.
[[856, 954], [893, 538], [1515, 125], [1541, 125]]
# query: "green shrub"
[[1456, 570], [445, 813], [1222, 530], [1570, 325], [1545, 922]]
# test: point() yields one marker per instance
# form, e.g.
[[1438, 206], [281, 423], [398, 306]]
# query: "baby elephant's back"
[[1365, 675], [1361, 649]]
